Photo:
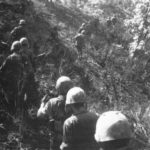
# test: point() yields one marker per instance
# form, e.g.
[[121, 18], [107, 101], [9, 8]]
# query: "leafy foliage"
[[114, 69]]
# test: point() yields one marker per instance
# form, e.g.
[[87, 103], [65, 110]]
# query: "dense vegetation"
[[114, 69]]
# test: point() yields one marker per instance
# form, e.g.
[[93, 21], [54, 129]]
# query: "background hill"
[[114, 69]]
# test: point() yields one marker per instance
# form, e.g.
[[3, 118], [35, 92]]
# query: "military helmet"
[[75, 95], [63, 84], [112, 125], [22, 22], [15, 46], [24, 42]]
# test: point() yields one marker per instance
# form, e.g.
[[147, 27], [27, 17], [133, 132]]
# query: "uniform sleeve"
[[67, 137], [44, 110], [13, 31], [5, 65], [12, 34], [32, 61]]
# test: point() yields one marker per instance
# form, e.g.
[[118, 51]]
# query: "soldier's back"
[[12, 66], [17, 33], [79, 38], [27, 63], [58, 107], [81, 130]]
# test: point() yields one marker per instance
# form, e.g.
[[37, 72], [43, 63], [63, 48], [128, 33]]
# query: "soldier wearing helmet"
[[54, 34], [28, 86], [10, 74], [82, 27], [22, 22], [19, 31], [27, 55], [113, 131], [78, 130], [55, 109], [80, 41]]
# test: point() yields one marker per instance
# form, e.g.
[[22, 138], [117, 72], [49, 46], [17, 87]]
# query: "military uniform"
[[54, 34], [17, 33], [11, 73], [82, 27], [28, 85], [79, 132], [55, 110], [79, 42]]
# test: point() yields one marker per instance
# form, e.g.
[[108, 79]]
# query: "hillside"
[[114, 68]]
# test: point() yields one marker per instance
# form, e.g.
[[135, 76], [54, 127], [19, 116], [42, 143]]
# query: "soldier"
[[79, 42], [113, 131], [54, 34], [26, 51], [78, 130], [28, 85], [10, 74], [82, 27], [55, 109], [19, 31]]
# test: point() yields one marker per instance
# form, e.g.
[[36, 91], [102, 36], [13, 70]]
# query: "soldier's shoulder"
[[89, 113], [55, 100], [14, 56], [92, 115], [77, 35], [70, 121], [11, 56], [16, 28]]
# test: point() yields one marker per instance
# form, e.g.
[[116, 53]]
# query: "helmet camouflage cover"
[[24, 41], [22, 22], [63, 84], [112, 125], [15, 46], [75, 95]]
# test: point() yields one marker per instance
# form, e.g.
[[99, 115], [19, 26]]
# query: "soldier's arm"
[[5, 65], [41, 111], [33, 61], [67, 137], [39, 57], [13, 31], [45, 108], [12, 34]]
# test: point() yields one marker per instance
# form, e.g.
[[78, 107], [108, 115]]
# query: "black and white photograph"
[[74, 74]]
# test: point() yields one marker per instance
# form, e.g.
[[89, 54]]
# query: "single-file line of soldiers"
[[73, 127], [17, 71]]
